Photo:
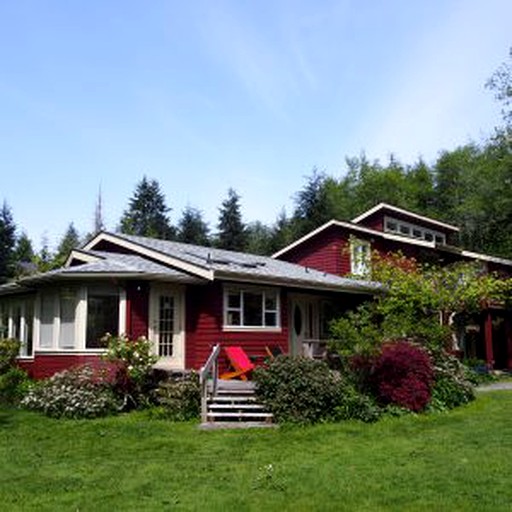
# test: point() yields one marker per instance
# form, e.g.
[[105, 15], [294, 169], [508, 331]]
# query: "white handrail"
[[211, 367]]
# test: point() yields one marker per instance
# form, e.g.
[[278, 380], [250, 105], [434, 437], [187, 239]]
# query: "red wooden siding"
[[137, 309], [45, 365], [204, 323], [327, 252]]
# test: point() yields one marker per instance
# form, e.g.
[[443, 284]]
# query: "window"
[[251, 308], [67, 313], [102, 316], [46, 319], [360, 257], [16, 322]]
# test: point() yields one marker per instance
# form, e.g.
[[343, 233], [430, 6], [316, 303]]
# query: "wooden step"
[[232, 399], [239, 407], [239, 415]]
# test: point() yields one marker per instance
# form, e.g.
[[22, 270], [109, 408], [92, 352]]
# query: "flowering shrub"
[[180, 397], [452, 386], [403, 375], [81, 392], [134, 360]]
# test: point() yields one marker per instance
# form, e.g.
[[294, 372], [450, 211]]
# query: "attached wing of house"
[[185, 298]]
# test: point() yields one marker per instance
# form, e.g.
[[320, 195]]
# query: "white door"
[[166, 322], [304, 325]]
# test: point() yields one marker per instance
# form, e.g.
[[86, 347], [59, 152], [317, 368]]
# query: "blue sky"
[[205, 95]]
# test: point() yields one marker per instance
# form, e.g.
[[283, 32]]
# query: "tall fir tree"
[[232, 233], [70, 241], [7, 243], [192, 229], [24, 256], [147, 211]]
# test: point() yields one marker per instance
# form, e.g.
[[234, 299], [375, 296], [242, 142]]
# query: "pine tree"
[[146, 214], [70, 241], [192, 229], [7, 244], [24, 256], [232, 234]]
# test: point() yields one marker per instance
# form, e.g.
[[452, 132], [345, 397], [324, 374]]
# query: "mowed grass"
[[460, 460]]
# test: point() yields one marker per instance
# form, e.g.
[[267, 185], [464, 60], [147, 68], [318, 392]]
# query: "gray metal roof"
[[185, 259], [240, 266]]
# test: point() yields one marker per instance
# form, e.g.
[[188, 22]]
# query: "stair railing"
[[209, 370]]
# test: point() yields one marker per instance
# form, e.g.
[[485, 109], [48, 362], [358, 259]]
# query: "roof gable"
[[384, 208]]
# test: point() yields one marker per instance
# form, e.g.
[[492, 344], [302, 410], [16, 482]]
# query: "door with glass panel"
[[166, 326]]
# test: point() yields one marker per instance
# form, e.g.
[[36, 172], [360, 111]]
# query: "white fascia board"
[[311, 234], [485, 257], [172, 261], [413, 215], [82, 256]]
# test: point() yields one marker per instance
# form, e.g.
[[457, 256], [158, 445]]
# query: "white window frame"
[[80, 322], [234, 289], [360, 257], [9, 306], [437, 236]]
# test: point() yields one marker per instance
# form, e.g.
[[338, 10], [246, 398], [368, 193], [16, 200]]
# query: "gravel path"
[[495, 386]]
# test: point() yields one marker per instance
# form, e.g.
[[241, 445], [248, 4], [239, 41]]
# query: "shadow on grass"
[[6, 416]]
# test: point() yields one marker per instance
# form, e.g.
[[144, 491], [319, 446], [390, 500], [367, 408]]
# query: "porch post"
[[489, 356], [508, 336]]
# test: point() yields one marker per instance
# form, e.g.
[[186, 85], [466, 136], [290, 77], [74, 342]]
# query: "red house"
[[343, 248], [184, 298]]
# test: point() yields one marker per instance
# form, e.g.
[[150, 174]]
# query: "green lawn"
[[455, 461]]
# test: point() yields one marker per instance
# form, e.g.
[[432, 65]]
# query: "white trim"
[[177, 361], [332, 222], [485, 257], [82, 256], [242, 289], [411, 228], [172, 261], [416, 216]]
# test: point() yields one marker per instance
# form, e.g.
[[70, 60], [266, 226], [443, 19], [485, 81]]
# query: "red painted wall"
[[327, 252], [204, 328], [45, 365], [137, 309]]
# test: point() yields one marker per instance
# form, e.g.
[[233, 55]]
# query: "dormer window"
[[409, 230]]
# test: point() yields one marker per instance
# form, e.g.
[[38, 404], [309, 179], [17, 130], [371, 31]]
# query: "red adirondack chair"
[[240, 363]]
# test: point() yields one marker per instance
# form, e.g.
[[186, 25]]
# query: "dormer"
[[397, 221]]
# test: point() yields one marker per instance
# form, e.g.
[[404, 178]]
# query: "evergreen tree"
[[70, 241], [231, 234], [259, 238], [192, 229], [312, 205], [282, 233], [99, 225], [146, 214], [7, 244], [24, 256], [44, 259]]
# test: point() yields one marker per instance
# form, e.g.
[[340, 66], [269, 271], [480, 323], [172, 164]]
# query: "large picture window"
[[251, 308], [102, 316]]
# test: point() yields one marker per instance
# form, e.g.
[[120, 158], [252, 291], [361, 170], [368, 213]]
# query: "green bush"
[[180, 397], [452, 387], [14, 384], [355, 405], [80, 392], [298, 390], [9, 350]]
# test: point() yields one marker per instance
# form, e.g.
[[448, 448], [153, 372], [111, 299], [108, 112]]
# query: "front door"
[[166, 326], [304, 318]]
